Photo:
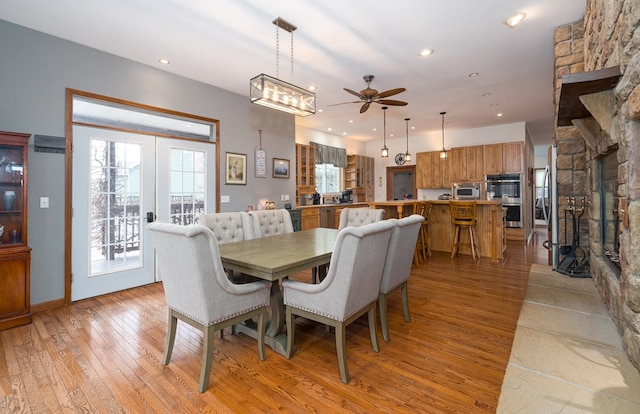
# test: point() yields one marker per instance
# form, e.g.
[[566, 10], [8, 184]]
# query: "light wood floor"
[[103, 354]]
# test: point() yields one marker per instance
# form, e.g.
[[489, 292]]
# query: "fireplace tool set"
[[574, 262]]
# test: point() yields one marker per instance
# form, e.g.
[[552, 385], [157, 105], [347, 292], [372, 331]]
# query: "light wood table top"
[[274, 257]]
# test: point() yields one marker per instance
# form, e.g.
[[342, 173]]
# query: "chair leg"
[[456, 242], [262, 327], [171, 337], [472, 243], [340, 349], [405, 302], [382, 301], [207, 357], [291, 331], [372, 327]]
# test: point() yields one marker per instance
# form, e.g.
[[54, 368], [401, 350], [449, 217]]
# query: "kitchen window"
[[328, 178]]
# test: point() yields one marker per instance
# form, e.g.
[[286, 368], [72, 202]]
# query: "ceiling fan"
[[369, 95]]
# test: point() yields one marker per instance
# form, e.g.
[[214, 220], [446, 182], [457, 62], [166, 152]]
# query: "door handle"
[[150, 217]]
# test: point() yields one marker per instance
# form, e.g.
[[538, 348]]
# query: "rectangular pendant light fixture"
[[283, 96]]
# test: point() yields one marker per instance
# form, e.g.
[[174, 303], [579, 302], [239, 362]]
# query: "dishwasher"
[[328, 217]]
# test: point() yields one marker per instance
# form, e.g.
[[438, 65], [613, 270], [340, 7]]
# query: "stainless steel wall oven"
[[508, 189]]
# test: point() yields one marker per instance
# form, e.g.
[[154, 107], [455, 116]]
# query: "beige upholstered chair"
[[349, 290], [359, 216], [397, 267], [228, 227], [271, 222], [198, 291]]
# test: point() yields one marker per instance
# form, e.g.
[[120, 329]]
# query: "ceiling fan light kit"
[[274, 93], [369, 95]]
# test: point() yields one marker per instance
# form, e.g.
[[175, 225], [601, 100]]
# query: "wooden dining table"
[[273, 258]]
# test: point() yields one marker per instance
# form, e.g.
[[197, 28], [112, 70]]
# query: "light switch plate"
[[225, 199], [44, 202]]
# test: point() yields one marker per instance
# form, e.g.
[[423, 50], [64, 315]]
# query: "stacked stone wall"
[[610, 37]]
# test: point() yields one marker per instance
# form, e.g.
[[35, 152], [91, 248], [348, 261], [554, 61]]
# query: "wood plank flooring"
[[102, 355]]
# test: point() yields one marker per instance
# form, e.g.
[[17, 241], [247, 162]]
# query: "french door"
[[120, 182]]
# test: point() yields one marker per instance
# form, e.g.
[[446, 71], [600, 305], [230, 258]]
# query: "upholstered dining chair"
[[359, 216], [397, 267], [271, 222], [349, 290], [230, 227], [198, 292]]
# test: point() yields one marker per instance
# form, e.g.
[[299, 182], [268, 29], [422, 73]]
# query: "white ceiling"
[[226, 42]]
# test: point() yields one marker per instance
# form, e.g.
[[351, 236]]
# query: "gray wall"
[[35, 70]]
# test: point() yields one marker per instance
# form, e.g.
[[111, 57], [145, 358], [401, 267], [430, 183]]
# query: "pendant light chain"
[[407, 155], [292, 77], [277, 52]]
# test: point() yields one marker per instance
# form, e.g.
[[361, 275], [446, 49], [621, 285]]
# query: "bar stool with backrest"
[[419, 253], [463, 215]]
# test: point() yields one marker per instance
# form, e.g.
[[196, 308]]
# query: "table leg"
[[273, 337]]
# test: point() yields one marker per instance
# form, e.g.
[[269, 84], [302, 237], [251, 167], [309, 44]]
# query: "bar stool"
[[418, 255], [463, 215]]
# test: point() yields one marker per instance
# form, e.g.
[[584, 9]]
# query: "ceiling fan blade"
[[390, 92], [353, 92], [392, 102], [364, 107], [344, 103]]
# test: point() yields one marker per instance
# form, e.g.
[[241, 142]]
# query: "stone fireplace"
[[597, 84]]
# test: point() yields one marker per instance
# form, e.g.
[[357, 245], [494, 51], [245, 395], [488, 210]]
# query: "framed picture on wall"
[[280, 168], [236, 169]]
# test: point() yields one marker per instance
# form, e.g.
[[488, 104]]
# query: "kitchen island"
[[489, 230]]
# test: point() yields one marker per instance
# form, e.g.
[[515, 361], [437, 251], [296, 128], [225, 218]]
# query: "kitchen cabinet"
[[493, 159], [466, 164], [513, 157], [359, 177], [15, 254], [305, 171], [458, 163], [310, 218], [504, 158], [432, 171]]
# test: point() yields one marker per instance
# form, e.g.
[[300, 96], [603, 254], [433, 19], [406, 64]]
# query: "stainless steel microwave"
[[466, 191]]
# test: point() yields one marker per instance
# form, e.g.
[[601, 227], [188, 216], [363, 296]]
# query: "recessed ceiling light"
[[164, 61], [514, 20], [499, 114], [312, 87], [320, 110], [351, 121], [374, 129], [426, 52], [473, 74], [344, 133], [486, 94]]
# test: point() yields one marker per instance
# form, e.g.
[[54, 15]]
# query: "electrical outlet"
[[286, 197], [44, 202]]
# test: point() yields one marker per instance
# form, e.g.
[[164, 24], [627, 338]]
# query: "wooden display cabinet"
[[432, 171], [15, 254], [359, 177], [305, 171]]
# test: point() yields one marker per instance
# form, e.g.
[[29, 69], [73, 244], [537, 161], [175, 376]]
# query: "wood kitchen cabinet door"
[[492, 159], [513, 157], [458, 164], [432, 171], [474, 163]]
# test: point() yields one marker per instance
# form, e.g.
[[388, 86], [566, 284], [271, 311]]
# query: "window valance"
[[330, 155]]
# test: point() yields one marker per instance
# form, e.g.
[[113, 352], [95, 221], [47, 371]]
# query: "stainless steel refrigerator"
[[550, 190]]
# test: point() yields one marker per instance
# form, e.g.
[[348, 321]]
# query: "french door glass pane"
[[187, 190], [115, 195]]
